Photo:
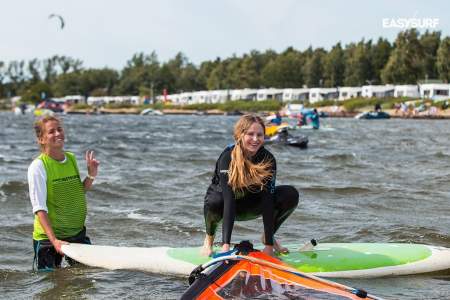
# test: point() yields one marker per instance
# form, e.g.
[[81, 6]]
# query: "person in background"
[[277, 120], [315, 120], [404, 109], [243, 188], [57, 195], [377, 107], [300, 119]]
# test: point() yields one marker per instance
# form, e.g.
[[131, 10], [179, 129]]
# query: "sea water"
[[366, 181]]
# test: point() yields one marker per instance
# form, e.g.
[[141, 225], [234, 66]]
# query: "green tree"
[[68, 64], [216, 79], [99, 79], [16, 74], [232, 73], [35, 92], [33, 69], [85, 82], [313, 71], [69, 84], [141, 71], [189, 78], [260, 60], [98, 92], [358, 69], [180, 74], [2, 78], [205, 71], [379, 56], [443, 60], [334, 67], [167, 80], [430, 44], [250, 71], [406, 64], [285, 71], [49, 69]]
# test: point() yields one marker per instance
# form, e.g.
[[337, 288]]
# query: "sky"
[[106, 33]]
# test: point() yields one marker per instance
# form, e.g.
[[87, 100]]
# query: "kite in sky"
[[61, 20]]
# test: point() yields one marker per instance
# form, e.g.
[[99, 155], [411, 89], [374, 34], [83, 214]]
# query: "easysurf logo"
[[406, 23]]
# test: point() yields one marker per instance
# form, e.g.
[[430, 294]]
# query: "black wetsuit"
[[275, 204]]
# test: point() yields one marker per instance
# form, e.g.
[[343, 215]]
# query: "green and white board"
[[339, 260]]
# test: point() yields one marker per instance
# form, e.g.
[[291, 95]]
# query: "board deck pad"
[[333, 257], [345, 260]]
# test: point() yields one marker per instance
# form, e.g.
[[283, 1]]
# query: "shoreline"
[[394, 114], [330, 111]]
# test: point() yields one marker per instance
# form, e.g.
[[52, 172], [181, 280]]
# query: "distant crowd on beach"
[[405, 109]]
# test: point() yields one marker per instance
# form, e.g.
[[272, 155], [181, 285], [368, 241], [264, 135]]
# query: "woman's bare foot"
[[269, 250], [207, 248], [279, 248], [225, 247]]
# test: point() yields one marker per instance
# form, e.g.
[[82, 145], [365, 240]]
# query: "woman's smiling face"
[[53, 136], [253, 138]]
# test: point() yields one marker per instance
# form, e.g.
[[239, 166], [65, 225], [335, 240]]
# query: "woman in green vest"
[[57, 195]]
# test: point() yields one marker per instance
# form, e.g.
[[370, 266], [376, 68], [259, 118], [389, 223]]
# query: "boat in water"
[[41, 112], [23, 109], [373, 115], [282, 137], [151, 112], [273, 129]]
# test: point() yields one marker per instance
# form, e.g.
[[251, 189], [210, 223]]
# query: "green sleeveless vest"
[[66, 202]]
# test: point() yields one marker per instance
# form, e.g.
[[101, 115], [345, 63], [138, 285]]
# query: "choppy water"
[[367, 181]]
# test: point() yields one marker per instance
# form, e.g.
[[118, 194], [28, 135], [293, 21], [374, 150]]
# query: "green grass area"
[[253, 106], [5, 104], [120, 105], [82, 106], [350, 105], [354, 104]]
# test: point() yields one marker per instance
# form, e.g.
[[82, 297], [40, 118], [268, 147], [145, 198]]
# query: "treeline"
[[411, 58]]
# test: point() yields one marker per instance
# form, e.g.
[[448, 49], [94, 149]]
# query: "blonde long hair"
[[243, 173]]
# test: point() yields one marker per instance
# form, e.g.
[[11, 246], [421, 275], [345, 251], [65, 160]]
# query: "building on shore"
[[269, 94], [377, 91], [243, 94], [98, 101], [295, 95], [74, 99], [435, 91], [201, 97], [349, 92], [411, 91], [219, 96], [320, 94], [172, 98]]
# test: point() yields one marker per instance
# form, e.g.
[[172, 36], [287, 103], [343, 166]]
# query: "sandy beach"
[[331, 111], [427, 114]]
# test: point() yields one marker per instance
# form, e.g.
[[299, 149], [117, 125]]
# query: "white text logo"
[[405, 23]]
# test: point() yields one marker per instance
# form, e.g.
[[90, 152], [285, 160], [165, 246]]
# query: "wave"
[[11, 187], [342, 157], [412, 234], [404, 234], [343, 191], [441, 155], [146, 216]]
